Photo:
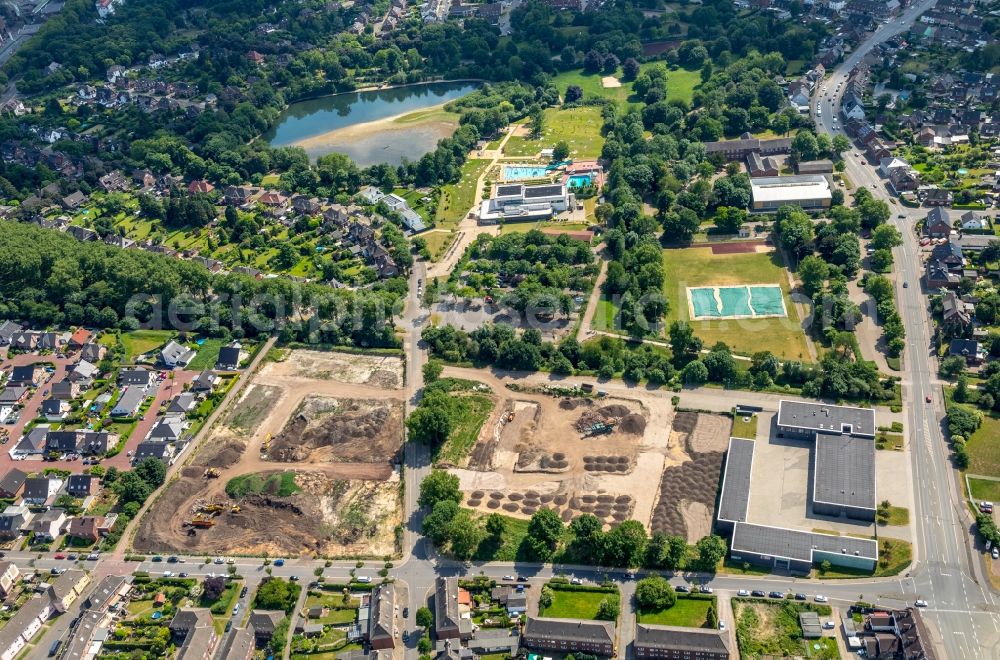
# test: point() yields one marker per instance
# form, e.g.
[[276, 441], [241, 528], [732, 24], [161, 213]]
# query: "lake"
[[361, 124]]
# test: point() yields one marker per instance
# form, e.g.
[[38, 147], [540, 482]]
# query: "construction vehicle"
[[600, 428], [510, 417], [212, 473], [266, 444], [235, 509], [200, 522], [212, 509]]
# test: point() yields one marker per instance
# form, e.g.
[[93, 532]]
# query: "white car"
[[705, 590], [168, 573], [508, 578], [576, 581], [820, 598], [220, 560], [743, 592], [920, 603], [828, 625], [722, 625]]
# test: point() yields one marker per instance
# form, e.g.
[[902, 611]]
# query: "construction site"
[[306, 462], [577, 451]]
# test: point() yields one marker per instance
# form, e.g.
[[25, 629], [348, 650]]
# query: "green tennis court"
[[736, 302]]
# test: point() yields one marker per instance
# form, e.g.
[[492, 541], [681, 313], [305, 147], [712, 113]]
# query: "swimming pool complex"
[[579, 180], [752, 301]]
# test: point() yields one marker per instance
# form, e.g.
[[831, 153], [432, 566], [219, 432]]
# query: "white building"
[[516, 202], [810, 191]]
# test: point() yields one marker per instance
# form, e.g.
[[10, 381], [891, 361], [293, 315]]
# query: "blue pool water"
[[579, 180], [521, 172]]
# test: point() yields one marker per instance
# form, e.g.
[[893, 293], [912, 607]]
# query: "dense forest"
[[50, 279]]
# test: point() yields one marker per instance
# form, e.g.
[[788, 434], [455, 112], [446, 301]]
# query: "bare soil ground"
[[324, 429], [338, 439], [686, 499], [573, 455]]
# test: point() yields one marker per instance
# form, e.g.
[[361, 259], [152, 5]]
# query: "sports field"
[[696, 268], [579, 127], [735, 302]]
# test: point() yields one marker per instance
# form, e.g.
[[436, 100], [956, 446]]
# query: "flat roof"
[[735, 499], [844, 471], [531, 192], [825, 418], [509, 189], [798, 545], [790, 188]]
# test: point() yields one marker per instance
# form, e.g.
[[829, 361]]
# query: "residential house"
[[66, 588], [938, 197], [92, 352], [240, 644], [86, 528], [570, 636], [73, 200], [515, 601], [65, 390], [168, 429], [38, 490], [176, 355], [305, 205], [969, 349], [904, 180], [12, 520], [48, 525], [12, 483], [50, 341], [758, 166], [799, 95], [96, 442], [129, 402], [193, 630], [451, 619], [54, 409], [381, 614], [137, 378], [975, 221], [80, 338], [26, 340], [229, 358], [83, 372], [681, 643], [955, 313], [937, 224], [7, 330], [182, 403], [204, 382], [32, 443], [200, 186], [938, 276], [83, 485], [10, 576], [26, 376], [263, 623], [23, 626], [152, 449], [14, 395]]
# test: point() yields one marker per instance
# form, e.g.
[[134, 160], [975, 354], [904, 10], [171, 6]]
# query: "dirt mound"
[[348, 431], [228, 454], [692, 482], [572, 404], [614, 410], [684, 422], [633, 423]]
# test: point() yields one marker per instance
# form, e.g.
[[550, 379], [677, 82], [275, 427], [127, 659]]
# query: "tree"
[[152, 471], [886, 237], [609, 608], [712, 617], [546, 597], [874, 212], [432, 371], [537, 124], [425, 645], [729, 219], [695, 373], [430, 423], [544, 531], [213, 587], [813, 272], [679, 226], [496, 525], [425, 618], [465, 535], [654, 593], [963, 422], [881, 261], [438, 486], [951, 366], [841, 143], [130, 487], [588, 539], [437, 523], [573, 94], [630, 68], [625, 545], [711, 549], [560, 151], [276, 594]]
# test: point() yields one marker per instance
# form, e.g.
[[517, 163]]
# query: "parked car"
[[920, 603], [758, 593], [279, 562], [293, 578], [172, 559], [576, 581], [819, 598], [800, 596], [743, 592], [168, 573], [182, 575], [828, 625], [996, 552], [243, 592], [776, 594], [681, 589], [220, 560], [60, 556], [509, 578], [157, 558], [722, 625]]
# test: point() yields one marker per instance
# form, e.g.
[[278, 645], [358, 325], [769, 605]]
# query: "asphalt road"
[[948, 572]]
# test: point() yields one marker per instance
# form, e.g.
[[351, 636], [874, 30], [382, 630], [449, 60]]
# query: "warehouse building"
[[843, 484], [770, 193]]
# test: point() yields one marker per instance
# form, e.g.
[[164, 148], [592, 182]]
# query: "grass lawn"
[[898, 516], [573, 604], [514, 532], [139, 342], [270, 180], [476, 408], [698, 266], [456, 198], [208, 355], [894, 556], [428, 115], [437, 242], [687, 611], [984, 489], [591, 85], [681, 84], [983, 448], [579, 127], [772, 628], [743, 429], [606, 317]]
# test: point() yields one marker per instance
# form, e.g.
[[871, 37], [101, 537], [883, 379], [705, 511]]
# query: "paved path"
[[592, 303]]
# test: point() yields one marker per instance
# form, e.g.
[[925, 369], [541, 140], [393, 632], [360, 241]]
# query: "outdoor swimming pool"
[[523, 172], [742, 301], [579, 180]]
